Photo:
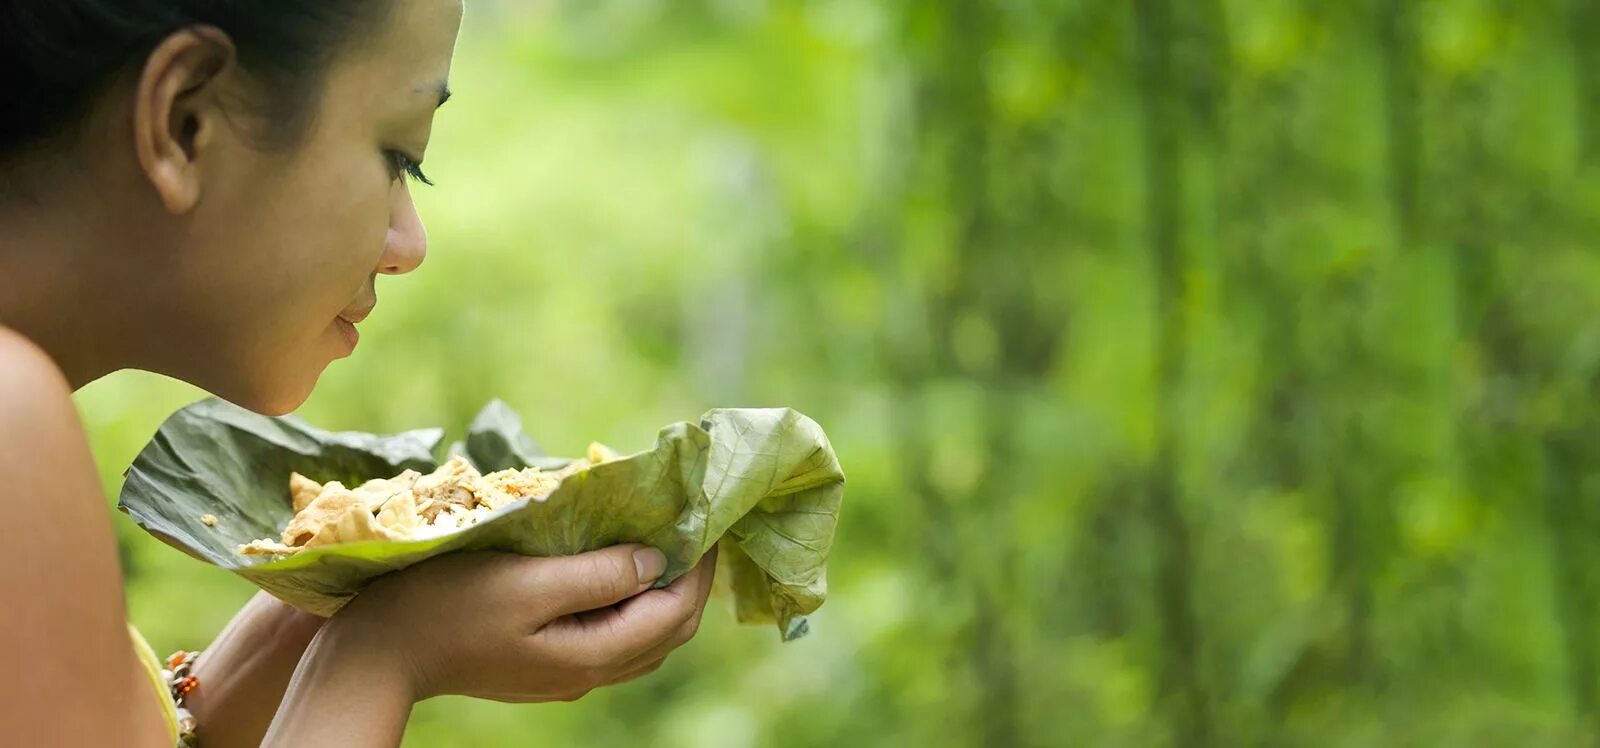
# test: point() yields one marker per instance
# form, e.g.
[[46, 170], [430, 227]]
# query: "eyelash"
[[400, 163]]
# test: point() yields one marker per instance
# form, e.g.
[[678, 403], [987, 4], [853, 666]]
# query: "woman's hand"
[[522, 629], [493, 625]]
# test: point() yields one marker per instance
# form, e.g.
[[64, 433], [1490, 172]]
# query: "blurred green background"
[[1207, 373]]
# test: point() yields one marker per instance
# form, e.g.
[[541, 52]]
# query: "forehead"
[[401, 61]]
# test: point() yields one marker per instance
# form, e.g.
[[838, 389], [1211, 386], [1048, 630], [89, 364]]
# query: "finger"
[[572, 584], [697, 581], [688, 592], [610, 638], [700, 578], [708, 563]]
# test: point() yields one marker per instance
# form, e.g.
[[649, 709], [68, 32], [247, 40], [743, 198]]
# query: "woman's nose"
[[407, 242]]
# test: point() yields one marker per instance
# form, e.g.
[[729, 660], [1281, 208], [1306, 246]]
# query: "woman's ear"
[[177, 111]]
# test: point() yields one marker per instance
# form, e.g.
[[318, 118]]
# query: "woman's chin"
[[275, 407], [270, 393]]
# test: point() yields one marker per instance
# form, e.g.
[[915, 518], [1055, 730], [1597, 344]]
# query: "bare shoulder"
[[60, 581], [39, 427], [27, 373], [42, 442]]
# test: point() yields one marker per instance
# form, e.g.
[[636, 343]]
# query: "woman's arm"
[[349, 690], [71, 675], [244, 673]]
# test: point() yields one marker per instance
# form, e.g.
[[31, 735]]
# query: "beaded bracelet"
[[182, 683]]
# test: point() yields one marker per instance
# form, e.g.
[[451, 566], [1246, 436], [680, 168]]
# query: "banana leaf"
[[764, 483]]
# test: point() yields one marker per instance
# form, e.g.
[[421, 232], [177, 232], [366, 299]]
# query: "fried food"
[[408, 506]]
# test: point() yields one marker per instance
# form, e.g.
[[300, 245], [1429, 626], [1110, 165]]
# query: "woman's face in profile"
[[282, 249]]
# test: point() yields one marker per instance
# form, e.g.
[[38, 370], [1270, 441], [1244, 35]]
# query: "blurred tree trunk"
[[1568, 481], [1572, 528], [1582, 22], [958, 146], [1358, 485], [1401, 92], [981, 296], [1161, 101]]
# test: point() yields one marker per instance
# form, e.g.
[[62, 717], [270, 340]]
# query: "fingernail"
[[650, 563]]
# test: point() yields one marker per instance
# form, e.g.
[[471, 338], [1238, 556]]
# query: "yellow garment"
[[152, 668]]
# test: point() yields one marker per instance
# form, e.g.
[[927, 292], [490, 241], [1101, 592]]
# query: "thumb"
[[593, 580]]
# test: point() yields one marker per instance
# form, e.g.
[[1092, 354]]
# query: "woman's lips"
[[348, 319], [348, 331]]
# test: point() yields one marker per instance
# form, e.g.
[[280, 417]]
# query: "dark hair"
[[57, 56]]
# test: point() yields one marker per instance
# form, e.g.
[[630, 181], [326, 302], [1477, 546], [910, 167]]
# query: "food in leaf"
[[763, 484], [410, 505]]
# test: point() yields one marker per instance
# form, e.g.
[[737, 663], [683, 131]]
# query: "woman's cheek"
[[366, 223], [351, 241]]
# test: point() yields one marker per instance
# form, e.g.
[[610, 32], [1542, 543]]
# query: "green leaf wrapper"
[[764, 482]]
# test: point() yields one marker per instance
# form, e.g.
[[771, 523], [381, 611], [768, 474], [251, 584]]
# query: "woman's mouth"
[[347, 321], [348, 331]]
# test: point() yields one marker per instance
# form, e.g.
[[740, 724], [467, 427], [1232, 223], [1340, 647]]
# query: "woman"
[[208, 189]]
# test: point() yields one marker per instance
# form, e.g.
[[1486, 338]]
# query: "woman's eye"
[[400, 164]]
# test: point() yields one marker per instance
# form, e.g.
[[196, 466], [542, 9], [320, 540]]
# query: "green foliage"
[[1209, 372]]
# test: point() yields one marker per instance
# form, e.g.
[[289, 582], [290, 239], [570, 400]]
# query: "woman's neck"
[[54, 289]]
